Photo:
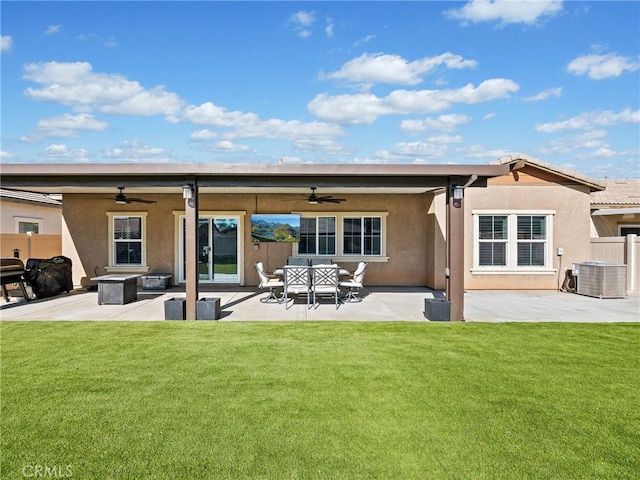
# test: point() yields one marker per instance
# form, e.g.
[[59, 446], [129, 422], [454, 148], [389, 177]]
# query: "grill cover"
[[49, 277]]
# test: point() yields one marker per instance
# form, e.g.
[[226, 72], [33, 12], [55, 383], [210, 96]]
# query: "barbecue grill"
[[12, 271]]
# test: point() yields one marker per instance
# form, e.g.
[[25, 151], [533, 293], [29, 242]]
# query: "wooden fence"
[[621, 251], [30, 245]]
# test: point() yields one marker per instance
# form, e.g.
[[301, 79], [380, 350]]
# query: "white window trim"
[[512, 267], [18, 220], [112, 267], [340, 256]]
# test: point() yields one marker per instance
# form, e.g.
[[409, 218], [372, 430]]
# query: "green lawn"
[[208, 400]]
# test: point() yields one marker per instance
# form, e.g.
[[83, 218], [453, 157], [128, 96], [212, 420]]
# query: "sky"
[[420, 82]]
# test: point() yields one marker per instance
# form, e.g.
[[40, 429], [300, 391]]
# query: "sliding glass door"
[[218, 247]]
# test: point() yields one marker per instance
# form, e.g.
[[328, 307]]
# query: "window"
[[512, 240], [127, 243], [362, 236], [317, 236], [628, 230], [532, 238], [493, 240], [343, 236], [127, 237], [28, 225]]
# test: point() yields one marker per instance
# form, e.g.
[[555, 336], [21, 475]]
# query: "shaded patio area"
[[379, 304]]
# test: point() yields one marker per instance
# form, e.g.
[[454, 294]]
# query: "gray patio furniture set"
[[314, 281]]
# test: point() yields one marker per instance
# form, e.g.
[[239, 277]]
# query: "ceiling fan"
[[313, 199], [122, 199]]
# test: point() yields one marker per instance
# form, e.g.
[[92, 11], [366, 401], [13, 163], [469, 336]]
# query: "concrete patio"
[[379, 304]]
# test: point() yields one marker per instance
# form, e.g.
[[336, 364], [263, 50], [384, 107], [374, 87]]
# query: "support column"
[[191, 250], [455, 252]]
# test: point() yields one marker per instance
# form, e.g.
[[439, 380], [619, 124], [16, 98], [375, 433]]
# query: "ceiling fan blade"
[[140, 200], [330, 200]]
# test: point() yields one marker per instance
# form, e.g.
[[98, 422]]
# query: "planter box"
[[175, 309], [208, 309], [437, 309], [156, 281]]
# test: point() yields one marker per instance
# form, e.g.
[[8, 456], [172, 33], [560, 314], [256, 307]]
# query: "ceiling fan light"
[[313, 202], [120, 201]]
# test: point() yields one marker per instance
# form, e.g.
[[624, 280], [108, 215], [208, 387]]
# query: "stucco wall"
[[531, 189], [51, 217], [412, 233]]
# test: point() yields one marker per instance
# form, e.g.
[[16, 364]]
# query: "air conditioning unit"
[[601, 279]]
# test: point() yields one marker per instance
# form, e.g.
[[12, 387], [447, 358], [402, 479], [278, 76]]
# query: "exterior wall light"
[[187, 194], [458, 192]]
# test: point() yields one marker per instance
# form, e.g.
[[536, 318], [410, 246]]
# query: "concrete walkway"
[[379, 304]]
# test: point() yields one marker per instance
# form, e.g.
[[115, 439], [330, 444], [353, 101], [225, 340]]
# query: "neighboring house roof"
[[618, 193], [20, 196], [519, 160]]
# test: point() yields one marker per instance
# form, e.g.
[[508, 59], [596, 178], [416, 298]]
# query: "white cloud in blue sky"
[[332, 82]]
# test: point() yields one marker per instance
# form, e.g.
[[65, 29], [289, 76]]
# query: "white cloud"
[[588, 140], [366, 39], [598, 66], [419, 149], [229, 146], [589, 120], [77, 86], [61, 151], [366, 108], [443, 139], [301, 21], [6, 43], [52, 29], [67, 122], [505, 11], [545, 94], [249, 125], [328, 29], [393, 69], [6, 155], [203, 135], [136, 151], [443, 122]]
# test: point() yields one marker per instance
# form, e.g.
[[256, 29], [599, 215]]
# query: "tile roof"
[[594, 184], [618, 192], [30, 197]]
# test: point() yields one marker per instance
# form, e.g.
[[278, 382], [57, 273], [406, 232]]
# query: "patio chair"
[[325, 282], [298, 261], [321, 261], [354, 284], [297, 281], [272, 283]]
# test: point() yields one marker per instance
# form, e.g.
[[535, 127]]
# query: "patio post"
[[190, 194], [455, 250]]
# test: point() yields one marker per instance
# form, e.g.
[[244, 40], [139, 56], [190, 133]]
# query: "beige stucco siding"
[[50, 217], [532, 191], [414, 233]]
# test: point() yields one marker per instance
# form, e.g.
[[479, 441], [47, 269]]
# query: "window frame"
[[114, 267], [512, 242], [18, 220], [622, 225], [340, 256], [318, 237]]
